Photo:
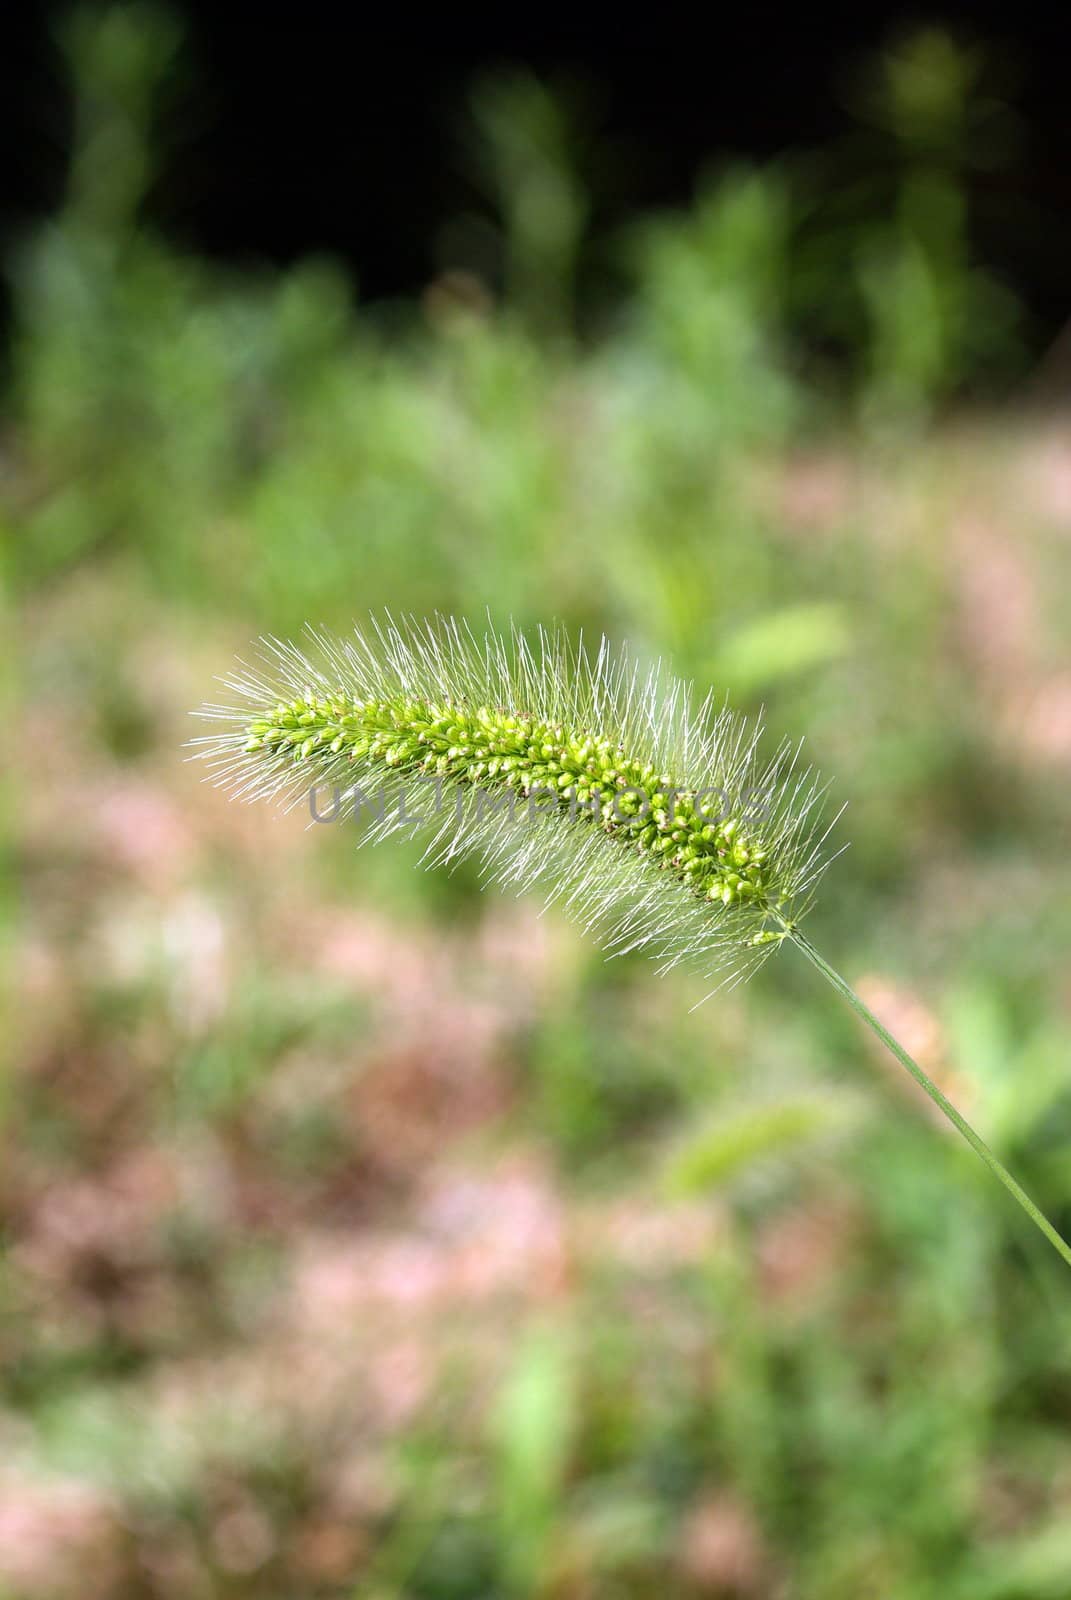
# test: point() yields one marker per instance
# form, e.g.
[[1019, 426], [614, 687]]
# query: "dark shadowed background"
[[293, 130]]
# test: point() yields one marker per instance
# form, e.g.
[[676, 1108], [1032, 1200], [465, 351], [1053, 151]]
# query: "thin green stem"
[[975, 1141]]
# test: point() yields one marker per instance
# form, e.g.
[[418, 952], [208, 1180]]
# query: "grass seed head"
[[656, 823]]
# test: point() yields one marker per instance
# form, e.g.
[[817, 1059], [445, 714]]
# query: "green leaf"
[[782, 644]]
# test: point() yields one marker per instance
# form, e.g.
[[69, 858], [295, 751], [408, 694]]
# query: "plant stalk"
[[976, 1142]]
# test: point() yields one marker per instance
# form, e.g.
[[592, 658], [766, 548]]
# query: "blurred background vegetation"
[[366, 1235]]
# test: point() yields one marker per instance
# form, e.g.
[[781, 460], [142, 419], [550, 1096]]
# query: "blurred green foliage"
[[832, 1364]]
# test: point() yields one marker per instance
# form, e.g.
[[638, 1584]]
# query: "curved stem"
[[977, 1144]]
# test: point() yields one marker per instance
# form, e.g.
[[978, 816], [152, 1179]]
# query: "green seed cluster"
[[490, 748]]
